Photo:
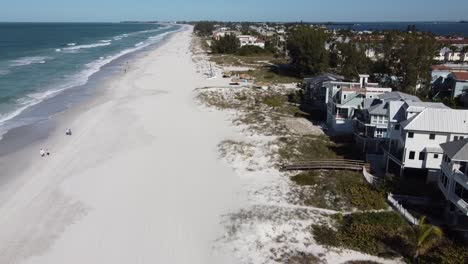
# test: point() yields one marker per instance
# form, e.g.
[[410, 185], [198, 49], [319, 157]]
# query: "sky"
[[232, 10]]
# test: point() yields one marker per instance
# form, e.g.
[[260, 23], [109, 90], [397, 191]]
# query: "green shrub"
[[306, 179], [448, 252], [251, 50], [326, 236], [339, 190], [373, 232], [274, 100]]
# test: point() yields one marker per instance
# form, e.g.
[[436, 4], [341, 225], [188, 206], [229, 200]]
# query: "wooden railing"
[[335, 164]]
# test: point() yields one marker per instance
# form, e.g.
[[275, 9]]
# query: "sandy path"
[[139, 181]]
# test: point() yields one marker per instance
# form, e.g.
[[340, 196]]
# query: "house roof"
[[420, 106], [396, 112], [433, 150], [456, 150], [378, 109], [461, 76], [395, 96], [440, 68], [439, 120]]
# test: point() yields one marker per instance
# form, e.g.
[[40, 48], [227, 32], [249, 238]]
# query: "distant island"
[[463, 21]]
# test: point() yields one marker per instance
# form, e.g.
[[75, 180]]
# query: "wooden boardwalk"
[[335, 164]]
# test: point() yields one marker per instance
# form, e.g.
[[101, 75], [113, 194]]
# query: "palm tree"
[[425, 237]]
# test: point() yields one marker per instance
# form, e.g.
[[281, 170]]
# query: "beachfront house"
[[371, 123], [248, 40], [453, 180], [416, 130], [457, 83], [222, 33], [346, 97], [316, 93]]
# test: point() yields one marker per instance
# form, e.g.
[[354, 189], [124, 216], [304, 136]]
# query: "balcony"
[[363, 130], [394, 152], [460, 203]]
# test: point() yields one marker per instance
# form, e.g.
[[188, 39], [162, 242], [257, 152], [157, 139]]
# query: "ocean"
[[438, 28], [41, 60]]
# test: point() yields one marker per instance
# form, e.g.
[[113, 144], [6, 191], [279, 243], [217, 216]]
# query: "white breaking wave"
[[88, 46], [76, 80], [139, 44], [105, 41], [71, 44], [28, 60]]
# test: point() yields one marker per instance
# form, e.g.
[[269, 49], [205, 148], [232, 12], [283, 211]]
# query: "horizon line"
[[247, 21]]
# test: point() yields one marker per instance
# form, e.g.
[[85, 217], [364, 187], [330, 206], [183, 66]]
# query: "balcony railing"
[[460, 203]]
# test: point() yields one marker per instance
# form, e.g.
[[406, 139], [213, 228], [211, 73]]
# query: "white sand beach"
[[139, 181]]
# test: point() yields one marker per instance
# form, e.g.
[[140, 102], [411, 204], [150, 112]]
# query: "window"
[[344, 96], [459, 190], [455, 138], [422, 155], [445, 181], [436, 156], [410, 135], [411, 155], [432, 136], [397, 127]]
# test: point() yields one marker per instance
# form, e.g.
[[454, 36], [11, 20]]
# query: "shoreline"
[[115, 189], [69, 91], [64, 106]]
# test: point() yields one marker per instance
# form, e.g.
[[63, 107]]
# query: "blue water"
[[40, 60], [438, 28]]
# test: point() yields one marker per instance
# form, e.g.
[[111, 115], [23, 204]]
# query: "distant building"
[[453, 180], [449, 80], [222, 33], [344, 98], [457, 83], [248, 40]]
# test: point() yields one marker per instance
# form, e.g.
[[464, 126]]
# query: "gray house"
[[317, 92], [453, 180], [371, 122]]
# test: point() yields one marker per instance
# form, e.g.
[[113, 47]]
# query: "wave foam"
[[76, 80], [88, 46], [28, 61]]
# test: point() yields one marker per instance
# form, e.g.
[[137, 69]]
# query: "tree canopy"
[[204, 28], [227, 44], [352, 61], [306, 48]]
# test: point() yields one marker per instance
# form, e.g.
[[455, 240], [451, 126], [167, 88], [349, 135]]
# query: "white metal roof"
[[440, 120]]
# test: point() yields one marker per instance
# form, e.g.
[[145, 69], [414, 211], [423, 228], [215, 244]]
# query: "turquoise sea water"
[[40, 60]]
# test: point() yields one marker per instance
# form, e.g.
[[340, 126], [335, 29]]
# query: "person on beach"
[[42, 152], [47, 152], [68, 132]]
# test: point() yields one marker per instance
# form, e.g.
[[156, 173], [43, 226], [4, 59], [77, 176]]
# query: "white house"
[[446, 54], [452, 56], [222, 33], [248, 40], [453, 180], [344, 98], [417, 129]]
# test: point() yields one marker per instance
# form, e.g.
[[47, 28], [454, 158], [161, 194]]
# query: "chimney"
[[363, 80]]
